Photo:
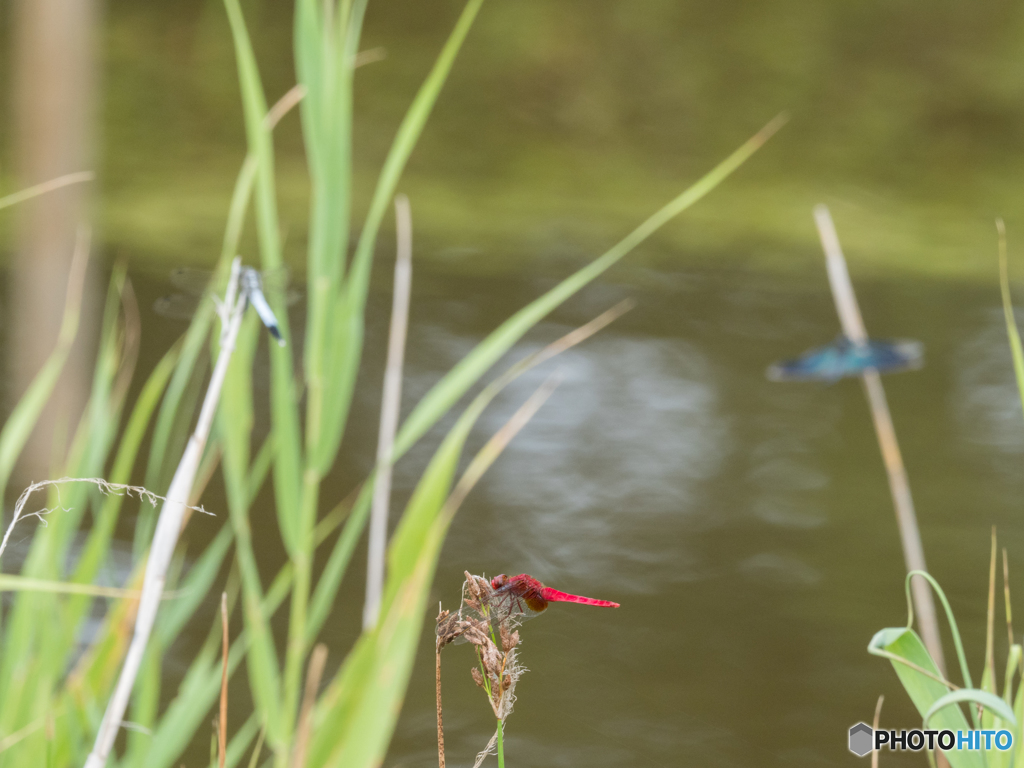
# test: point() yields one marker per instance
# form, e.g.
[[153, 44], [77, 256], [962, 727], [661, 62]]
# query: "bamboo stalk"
[[168, 527], [899, 484], [389, 411]]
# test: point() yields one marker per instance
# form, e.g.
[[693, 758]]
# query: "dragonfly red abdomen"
[[524, 595], [564, 597]]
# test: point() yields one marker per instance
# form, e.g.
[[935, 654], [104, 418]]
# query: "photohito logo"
[[864, 738]]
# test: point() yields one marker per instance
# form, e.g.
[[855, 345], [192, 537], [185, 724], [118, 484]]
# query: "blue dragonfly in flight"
[[845, 357], [194, 284]]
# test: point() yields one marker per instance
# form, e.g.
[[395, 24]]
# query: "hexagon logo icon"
[[861, 738]]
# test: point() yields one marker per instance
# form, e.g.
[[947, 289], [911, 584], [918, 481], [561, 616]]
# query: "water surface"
[[745, 526]]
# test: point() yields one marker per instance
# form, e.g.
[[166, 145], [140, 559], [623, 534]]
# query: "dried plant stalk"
[[389, 410], [899, 484], [314, 673], [168, 527]]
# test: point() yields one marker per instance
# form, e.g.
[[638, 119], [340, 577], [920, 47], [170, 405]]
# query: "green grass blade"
[[284, 401], [171, 414], [988, 676], [10, 582], [366, 695], [924, 691], [261, 467], [102, 531], [194, 588], [954, 629], [404, 142], [344, 335], [468, 371], [989, 701], [1011, 322], [145, 702], [337, 562], [23, 418], [201, 685], [241, 740], [235, 422], [1013, 659]]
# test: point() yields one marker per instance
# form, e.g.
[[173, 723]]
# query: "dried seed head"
[[475, 590], [447, 629], [506, 683], [491, 659], [477, 677], [474, 632], [509, 639]]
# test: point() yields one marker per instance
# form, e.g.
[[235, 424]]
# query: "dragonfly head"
[[499, 581], [250, 279]]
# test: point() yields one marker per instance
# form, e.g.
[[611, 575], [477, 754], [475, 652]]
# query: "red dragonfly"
[[524, 597]]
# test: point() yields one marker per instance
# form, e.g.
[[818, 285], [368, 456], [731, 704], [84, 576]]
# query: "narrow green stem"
[[501, 748], [302, 559]]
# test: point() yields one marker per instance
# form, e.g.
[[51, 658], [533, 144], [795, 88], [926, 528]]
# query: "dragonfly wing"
[[276, 285], [176, 306], [823, 364], [509, 603], [892, 356], [276, 280], [194, 281]]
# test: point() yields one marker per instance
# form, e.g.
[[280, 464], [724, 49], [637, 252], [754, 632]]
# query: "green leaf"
[[989, 701], [284, 401], [902, 645]]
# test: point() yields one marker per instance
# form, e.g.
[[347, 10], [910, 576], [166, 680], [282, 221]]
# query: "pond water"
[[745, 526]]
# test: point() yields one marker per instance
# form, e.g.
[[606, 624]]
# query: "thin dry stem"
[[490, 452], [990, 625], [440, 722], [22, 733], [570, 339], [389, 411], [130, 341], [165, 537], [315, 672], [12, 583], [258, 748], [1006, 597], [206, 471], [878, 716], [100, 483], [369, 56], [899, 484], [47, 186], [284, 105]]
